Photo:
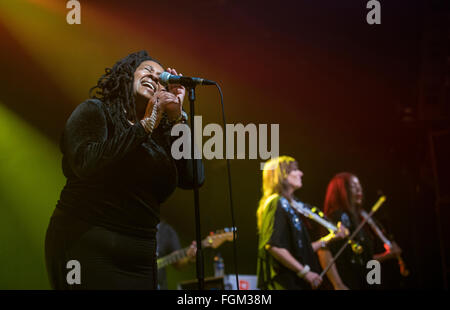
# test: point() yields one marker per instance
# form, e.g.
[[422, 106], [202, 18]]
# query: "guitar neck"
[[172, 258], [212, 241]]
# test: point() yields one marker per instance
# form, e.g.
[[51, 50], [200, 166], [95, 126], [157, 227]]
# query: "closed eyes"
[[150, 69]]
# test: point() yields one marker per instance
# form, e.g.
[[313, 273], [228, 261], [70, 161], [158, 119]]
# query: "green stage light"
[[30, 182]]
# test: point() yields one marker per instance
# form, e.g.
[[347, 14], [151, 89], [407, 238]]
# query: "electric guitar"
[[214, 240]]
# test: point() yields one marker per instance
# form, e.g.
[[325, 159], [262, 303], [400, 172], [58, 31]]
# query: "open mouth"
[[149, 85]]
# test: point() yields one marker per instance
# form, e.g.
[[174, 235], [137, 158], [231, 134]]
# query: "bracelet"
[[303, 272], [181, 119], [149, 122]]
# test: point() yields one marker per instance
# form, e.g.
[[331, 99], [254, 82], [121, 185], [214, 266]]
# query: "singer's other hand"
[[179, 91]]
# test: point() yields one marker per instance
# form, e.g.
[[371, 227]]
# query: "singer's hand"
[[166, 102], [174, 111]]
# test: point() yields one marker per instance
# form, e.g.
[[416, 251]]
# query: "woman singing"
[[119, 169], [286, 256], [343, 202]]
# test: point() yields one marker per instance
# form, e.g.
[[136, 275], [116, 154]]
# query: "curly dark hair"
[[115, 89]]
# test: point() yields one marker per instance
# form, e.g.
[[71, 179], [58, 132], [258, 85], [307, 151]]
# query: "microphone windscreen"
[[164, 78]]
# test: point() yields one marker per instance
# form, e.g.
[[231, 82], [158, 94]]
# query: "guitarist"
[[167, 243]]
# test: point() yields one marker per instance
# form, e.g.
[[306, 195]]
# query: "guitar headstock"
[[214, 240]]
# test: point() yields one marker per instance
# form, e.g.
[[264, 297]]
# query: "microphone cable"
[[230, 193]]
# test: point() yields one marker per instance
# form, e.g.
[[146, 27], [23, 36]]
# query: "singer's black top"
[[283, 227], [117, 180]]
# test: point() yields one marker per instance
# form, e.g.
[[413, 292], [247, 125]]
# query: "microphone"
[[166, 78]]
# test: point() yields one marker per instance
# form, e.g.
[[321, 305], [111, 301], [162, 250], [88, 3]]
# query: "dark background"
[[348, 97]]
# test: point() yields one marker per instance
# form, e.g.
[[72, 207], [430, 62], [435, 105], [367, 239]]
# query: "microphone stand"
[[200, 264]]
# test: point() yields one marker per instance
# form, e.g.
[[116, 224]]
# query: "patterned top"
[[283, 227]]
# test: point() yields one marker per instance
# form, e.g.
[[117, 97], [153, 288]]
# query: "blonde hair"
[[275, 173]]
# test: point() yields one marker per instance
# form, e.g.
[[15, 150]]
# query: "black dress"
[[108, 210], [283, 227]]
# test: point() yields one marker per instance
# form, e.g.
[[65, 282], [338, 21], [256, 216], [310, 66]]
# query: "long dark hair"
[[115, 89]]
